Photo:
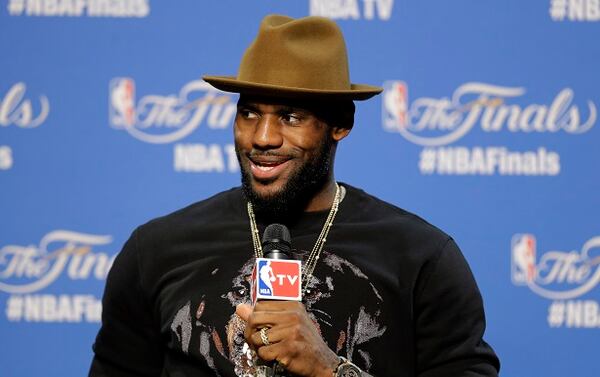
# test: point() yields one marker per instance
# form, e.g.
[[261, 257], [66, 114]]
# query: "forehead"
[[307, 106]]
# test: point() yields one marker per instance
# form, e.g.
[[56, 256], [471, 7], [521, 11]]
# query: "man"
[[385, 293]]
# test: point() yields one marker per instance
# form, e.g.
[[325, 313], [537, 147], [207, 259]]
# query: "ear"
[[338, 133]]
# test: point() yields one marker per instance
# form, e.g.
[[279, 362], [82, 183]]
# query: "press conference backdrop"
[[488, 128]]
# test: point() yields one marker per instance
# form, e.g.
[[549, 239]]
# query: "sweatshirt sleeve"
[[450, 320], [128, 341]]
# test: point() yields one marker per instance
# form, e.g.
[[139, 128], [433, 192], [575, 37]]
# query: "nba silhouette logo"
[[276, 280], [122, 102], [523, 268], [395, 105]]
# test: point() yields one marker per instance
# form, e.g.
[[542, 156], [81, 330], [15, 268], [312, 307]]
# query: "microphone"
[[276, 276], [276, 242]]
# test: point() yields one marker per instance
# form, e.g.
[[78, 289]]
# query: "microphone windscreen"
[[276, 237]]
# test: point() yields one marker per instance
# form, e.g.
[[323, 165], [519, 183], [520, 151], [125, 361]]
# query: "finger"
[[274, 335], [277, 306], [258, 320], [253, 328], [274, 353], [270, 319], [278, 352], [269, 353], [244, 311]]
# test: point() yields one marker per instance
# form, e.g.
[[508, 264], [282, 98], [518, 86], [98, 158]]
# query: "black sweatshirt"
[[390, 292]]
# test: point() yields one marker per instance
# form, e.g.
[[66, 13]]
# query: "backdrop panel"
[[488, 128]]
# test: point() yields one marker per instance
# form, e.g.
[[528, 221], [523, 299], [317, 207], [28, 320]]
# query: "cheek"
[[308, 140], [240, 137]]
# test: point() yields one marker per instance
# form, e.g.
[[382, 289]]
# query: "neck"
[[323, 199]]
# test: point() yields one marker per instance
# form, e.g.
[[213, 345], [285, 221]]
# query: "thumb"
[[244, 311]]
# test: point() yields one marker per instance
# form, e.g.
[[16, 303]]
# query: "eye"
[[239, 292], [291, 118], [247, 113], [310, 294]]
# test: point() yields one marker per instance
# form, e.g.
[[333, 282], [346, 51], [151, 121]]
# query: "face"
[[285, 153]]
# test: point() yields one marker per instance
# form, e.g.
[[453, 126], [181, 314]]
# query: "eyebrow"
[[290, 110], [246, 105], [283, 109]]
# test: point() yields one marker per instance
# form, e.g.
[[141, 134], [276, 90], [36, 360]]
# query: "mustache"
[[258, 153]]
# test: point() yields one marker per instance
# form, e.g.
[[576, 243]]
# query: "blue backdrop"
[[488, 128]]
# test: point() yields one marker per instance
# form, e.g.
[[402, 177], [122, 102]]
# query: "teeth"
[[265, 168]]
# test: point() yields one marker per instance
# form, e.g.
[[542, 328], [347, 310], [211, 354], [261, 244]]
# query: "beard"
[[285, 205]]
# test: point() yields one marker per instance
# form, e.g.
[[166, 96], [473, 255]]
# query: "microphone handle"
[[280, 236], [275, 370]]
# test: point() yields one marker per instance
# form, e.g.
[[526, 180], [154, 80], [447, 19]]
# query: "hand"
[[294, 340]]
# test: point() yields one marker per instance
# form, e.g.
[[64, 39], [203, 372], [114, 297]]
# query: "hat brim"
[[357, 92]]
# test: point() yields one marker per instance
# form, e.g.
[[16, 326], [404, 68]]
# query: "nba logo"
[[395, 105], [122, 102], [266, 278], [276, 280], [523, 269]]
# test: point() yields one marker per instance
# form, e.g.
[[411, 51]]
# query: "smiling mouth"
[[267, 167]]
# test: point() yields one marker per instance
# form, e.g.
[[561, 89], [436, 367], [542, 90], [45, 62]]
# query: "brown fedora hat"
[[296, 58]]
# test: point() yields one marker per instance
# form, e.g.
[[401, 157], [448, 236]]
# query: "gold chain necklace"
[[313, 257]]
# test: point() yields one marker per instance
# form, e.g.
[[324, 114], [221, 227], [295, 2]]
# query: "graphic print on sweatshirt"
[[206, 326]]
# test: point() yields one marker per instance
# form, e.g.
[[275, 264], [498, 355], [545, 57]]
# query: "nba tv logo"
[[395, 105], [523, 259], [278, 279]]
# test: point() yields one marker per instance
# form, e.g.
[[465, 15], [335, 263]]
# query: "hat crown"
[[307, 53], [296, 58]]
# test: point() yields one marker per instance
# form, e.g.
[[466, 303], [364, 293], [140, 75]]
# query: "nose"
[[267, 134]]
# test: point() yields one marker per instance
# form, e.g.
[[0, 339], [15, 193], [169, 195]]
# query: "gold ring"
[[264, 337]]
